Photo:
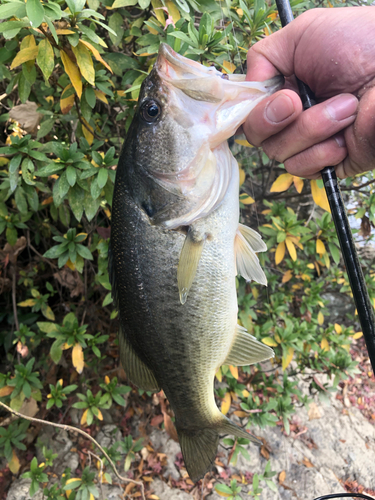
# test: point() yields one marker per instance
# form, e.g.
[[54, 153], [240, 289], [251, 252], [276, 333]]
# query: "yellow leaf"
[[277, 338], [48, 313], [87, 132], [319, 196], [96, 54], [61, 382], [357, 335], [287, 276], [5, 391], [320, 318], [245, 393], [101, 96], [229, 67], [320, 248], [68, 492], [324, 344], [100, 415], [287, 358], [107, 380], [239, 12], [173, 11], [73, 72], [84, 61], [247, 200], [24, 56], [291, 248], [242, 176], [273, 16], [70, 265], [64, 32], [280, 252], [243, 142], [14, 464], [219, 375], [269, 341], [77, 358], [28, 42], [298, 183], [84, 417], [310, 266], [157, 5], [27, 303], [240, 413], [225, 405], [305, 277], [338, 328], [66, 103], [234, 371], [282, 183], [85, 234]]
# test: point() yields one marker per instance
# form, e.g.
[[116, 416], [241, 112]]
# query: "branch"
[[87, 436]]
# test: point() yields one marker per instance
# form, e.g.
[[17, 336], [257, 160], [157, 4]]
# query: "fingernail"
[[342, 107], [280, 108], [340, 139]]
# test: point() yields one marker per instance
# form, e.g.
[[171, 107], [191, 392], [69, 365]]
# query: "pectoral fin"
[[135, 369], [247, 350], [189, 259], [247, 242]]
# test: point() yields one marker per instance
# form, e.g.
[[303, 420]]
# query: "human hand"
[[333, 52]]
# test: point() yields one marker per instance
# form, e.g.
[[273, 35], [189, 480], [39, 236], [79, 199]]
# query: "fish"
[[177, 245]]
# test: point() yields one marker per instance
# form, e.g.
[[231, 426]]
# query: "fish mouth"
[[274, 84]]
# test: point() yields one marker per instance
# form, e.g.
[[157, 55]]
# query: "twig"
[[83, 433], [36, 251], [14, 300]]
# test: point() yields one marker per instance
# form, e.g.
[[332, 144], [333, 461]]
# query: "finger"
[[310, 162], [312, 127], [271, 116]]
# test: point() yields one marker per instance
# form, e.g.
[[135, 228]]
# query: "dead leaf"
[[282, 476], [13, 251], [29, 407], [264, 452], [71, 280], [14, 464], [306, 462], [22, 349], [27, 116], [313, 411]]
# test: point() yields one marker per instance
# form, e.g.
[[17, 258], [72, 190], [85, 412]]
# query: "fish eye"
[[150, 111]]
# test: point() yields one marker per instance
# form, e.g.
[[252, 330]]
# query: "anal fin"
[[247, 350], [136, 370], [247, 242], [189, 259]]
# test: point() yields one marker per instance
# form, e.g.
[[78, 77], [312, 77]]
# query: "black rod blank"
[[340, 219]]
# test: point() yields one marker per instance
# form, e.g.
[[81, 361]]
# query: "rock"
[[112, 492], [165, 492], [59, 442], [162, 442], [108, 435], [20, 491]]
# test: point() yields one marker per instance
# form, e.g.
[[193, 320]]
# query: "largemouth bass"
[[177, 245]]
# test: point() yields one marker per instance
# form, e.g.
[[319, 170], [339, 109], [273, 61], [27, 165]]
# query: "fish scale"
[[176, 246]]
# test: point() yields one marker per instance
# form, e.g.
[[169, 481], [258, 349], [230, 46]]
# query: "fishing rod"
[[340, 219]]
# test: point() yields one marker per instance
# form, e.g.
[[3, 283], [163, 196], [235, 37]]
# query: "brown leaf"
[[306, 462], [71, 280], [22, 349], [6, 390], [282, 476], [157, 420], [313, 411], [29, 407], [170, 428], [264, 452], [13, 251], [27, 116]]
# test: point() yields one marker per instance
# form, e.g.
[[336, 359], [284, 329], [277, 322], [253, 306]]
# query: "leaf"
[[282, 476], [101, 96], [76, 198], [87, 132], [280, 252], [287, 276], [246, 200], [73, 72], [27, 303], [96, 54], [357, 335], [243, 142], [298, 183], [229, 67], [66, 103], [117, 4], [13, 9], [35, 12], [84, 61], [324, 344], [319, 196], [102, 177], [157, 5], [269, 341], [46, 58], [287, 358], [234, 371], [77, 358], [6, 390], [282, 183], [320, 248], [225, 405], [320, 318], [223, 490], [338, 328], [173, 11], [291, 248], [242, 176], [14, 464], [24, 55]]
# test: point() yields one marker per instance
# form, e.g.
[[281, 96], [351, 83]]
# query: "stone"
[[108, 435], [20, 491], [165, 492], [162, 442]]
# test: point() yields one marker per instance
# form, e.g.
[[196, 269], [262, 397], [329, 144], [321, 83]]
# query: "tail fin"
[[199, 448]]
